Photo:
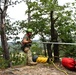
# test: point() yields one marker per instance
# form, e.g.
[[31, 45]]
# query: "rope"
[[58, 68]]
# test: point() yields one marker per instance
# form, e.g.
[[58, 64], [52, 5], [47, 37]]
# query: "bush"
[[36, 49], [17, 58], [68, 51]]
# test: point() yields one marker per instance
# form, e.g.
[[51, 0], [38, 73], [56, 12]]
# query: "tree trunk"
[[4, 40], [49, 50], [54, 36], [56, 47], [4, 43], [29, 17], [56, 53]]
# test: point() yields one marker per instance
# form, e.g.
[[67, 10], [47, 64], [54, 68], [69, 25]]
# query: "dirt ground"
[[39, 69]]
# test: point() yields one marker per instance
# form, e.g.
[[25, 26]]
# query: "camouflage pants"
[[28, 55]]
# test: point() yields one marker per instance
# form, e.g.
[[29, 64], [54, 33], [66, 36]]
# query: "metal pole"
[[60, 43]]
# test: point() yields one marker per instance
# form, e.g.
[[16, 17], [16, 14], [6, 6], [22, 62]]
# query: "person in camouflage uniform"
[[26, 44]]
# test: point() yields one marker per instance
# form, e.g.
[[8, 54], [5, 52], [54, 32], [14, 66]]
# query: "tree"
[[37, 22], [41, 24], [51, 6], [3, 9], [57, 12], [58, 16], [29, 17], [66, 22], [2, 30], [54, 34]]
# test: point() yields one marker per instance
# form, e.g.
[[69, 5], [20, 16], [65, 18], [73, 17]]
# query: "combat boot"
[[32, 63]]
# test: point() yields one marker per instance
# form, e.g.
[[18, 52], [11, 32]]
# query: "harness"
[[23, 45]]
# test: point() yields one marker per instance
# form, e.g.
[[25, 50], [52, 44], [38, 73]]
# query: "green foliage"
[[68, 51], [17, 58], [40, 23], [1, 51], [65, 24], [12, 29], [37, 49], [40, 19], [3, 62]]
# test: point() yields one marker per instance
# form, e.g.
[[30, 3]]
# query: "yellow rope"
[[59, 68], [44, 59]]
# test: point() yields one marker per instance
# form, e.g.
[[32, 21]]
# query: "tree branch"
[[56, 19], [51, 16], [0, 10], [5, 7]]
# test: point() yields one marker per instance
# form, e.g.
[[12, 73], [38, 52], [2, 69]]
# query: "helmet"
[[29, 30]]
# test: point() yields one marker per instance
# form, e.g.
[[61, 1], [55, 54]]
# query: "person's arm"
[[26, 41]]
